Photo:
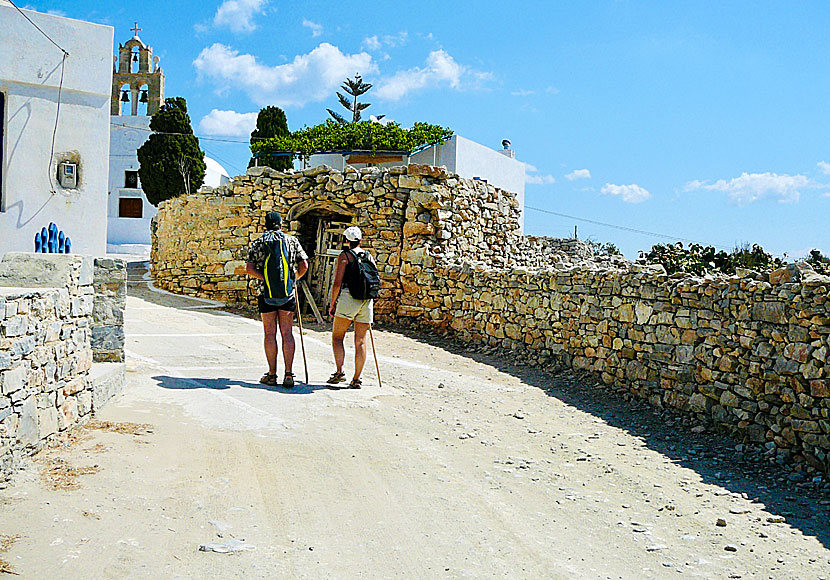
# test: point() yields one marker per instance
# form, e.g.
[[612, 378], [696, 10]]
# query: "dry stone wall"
[[747, 353], [47, 322], [200, 241]]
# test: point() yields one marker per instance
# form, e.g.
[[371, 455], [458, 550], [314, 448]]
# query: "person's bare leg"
[[269, 325], [338, 334], [286, 320], [360, 329]]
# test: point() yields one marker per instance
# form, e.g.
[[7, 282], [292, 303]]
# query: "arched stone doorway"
[[319, 225]]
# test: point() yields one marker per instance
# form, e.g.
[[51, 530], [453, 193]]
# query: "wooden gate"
[[324, 263]]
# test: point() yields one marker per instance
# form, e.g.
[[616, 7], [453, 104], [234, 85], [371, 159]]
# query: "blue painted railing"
[[52, 241]]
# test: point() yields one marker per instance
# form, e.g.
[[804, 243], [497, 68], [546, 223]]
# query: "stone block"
[[47, 422], [14, 379], [15, 326]]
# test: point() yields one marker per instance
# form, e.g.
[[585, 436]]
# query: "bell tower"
[[136, 78]]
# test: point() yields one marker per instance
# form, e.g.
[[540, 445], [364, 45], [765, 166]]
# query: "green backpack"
[[278, 273]]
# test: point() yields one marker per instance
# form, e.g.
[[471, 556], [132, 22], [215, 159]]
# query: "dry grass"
[[6, 543], [59, 475], [123, 428]]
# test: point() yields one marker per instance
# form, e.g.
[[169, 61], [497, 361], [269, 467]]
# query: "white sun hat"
[[353, 234]]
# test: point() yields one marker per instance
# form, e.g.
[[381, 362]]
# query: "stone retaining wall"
[[46, 352], [748, 353]]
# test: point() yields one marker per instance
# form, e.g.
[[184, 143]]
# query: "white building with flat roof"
[[54, 129]]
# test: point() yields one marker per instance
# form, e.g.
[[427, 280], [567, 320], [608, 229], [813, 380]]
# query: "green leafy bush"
[[363, 136], [819, 262], [604, 248], [698, 259]]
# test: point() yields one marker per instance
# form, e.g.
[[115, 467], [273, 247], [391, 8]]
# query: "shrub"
[[698, 259]]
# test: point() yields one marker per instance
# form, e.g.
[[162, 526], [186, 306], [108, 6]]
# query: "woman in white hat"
[[347, 309]]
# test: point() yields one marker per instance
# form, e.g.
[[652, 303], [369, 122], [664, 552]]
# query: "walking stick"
[[302, 343], [374, 352]]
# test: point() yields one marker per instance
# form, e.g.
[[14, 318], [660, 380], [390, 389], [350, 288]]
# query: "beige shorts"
[[355, 310]]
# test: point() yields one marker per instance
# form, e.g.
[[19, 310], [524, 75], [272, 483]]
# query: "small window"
[[130, 207], [131, 179]]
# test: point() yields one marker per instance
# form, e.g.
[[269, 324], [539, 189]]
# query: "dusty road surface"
[[461, 466]]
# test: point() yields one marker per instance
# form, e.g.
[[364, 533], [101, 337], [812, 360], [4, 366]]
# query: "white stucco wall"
[[30, 68]]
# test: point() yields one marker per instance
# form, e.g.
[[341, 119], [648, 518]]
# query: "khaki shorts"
[[355, 310]]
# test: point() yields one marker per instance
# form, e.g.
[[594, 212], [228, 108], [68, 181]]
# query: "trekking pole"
[[375, 352], [302, 343]]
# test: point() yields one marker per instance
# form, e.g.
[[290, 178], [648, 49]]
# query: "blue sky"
[[702, 120]]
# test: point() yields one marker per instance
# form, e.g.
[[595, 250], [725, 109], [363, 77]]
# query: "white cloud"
[[751, 187], [825, 167], [228, 123], [630, 193], [316, 29], [239, 15], [372, 43], [375, 42], [440, 69], [309, 77], [578, 174], [532, 176], [522, 93], [534, 179]]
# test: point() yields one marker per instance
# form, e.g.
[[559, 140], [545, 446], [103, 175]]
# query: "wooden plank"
[[363, 158], [310, 301]]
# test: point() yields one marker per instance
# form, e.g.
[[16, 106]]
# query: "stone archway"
[[318, 225]]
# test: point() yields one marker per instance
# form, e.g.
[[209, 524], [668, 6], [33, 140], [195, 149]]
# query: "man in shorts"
[[273, 316], [347, 310]]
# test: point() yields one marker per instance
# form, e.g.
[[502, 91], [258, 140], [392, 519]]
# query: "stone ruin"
[[746, 353]]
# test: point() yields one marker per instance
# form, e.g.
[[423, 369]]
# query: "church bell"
[[125, 96]]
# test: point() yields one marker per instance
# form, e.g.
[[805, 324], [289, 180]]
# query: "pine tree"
[[356, 88], [271, 122], [171, 162]]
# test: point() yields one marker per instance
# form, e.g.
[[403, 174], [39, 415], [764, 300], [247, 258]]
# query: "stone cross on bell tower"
[[136, 77]]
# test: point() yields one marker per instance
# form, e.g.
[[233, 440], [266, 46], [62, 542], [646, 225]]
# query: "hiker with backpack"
[[278, 260], [356, 285]]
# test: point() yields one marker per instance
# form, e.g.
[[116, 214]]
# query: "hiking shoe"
[[269, 379], [288, 381], [355, 384], [336, 377]]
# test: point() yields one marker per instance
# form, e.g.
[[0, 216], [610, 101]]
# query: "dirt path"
[[457, 468]]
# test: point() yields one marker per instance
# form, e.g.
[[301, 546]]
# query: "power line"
[[623, 228], [65, 53], [188, 134]]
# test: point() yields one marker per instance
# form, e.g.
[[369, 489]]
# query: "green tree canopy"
[[171, 162], [363, 136], [271, 122]]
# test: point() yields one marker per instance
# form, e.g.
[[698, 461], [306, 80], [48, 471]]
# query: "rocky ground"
[[463, 465]]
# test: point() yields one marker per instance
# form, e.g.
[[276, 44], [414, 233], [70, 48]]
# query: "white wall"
[[30, 68]]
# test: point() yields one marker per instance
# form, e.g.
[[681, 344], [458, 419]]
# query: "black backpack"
[[362, 277], [278, 273]]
